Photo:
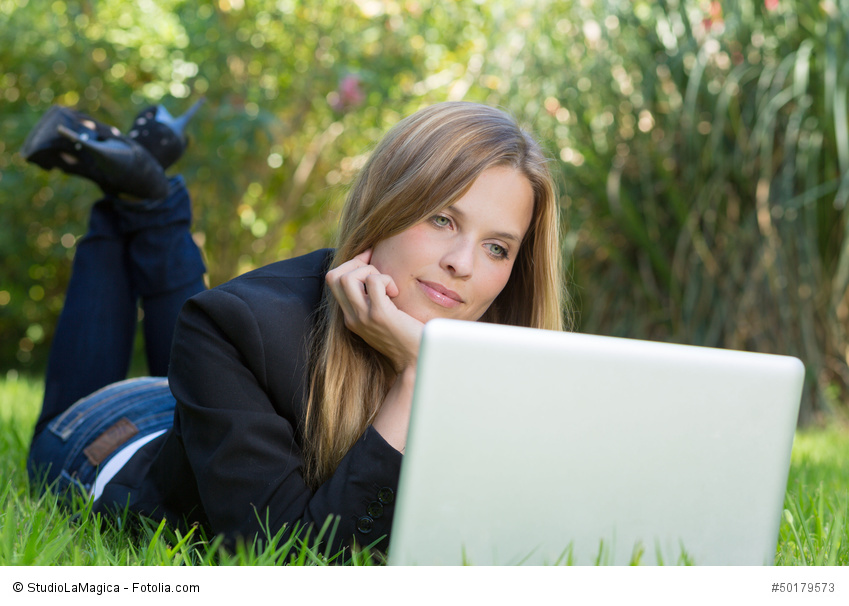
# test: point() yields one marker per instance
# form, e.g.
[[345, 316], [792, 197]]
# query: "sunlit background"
[[701, 147]]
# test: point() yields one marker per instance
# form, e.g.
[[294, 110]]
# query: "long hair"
[[423, 165]]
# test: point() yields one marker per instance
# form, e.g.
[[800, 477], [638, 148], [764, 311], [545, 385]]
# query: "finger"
[[392, 289], [351, 292], [388, 286], [337, 272], [356, 278], [377, 286], [358, 261], [353, 268], [398, 335]]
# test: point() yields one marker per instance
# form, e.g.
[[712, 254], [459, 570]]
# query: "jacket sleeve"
[[237, 375]]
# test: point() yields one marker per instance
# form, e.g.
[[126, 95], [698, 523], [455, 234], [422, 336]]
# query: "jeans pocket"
[[110, 402], [146, 402]]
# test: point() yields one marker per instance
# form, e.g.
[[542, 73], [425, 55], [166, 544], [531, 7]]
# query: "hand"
[[365, 298]]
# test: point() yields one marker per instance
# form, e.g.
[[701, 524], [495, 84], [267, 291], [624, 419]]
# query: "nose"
[[458, 260]]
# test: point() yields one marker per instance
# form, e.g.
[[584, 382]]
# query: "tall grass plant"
[[704, 148]]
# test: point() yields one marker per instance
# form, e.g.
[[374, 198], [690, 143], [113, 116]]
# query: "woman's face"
[[454, 264]]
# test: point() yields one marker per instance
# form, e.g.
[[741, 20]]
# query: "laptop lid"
[[537, 447]]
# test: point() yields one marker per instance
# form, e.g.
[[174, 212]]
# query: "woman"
[[292, 399]]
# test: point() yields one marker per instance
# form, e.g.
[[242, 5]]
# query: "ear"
[[364, 256]]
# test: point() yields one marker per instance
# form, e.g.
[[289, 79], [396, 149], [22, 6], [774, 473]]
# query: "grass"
[[37, 530], [814, 530]]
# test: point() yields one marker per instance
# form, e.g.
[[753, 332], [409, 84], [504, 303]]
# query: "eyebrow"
[[504, 235]]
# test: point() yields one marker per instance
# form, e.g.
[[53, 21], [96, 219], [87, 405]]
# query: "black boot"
[[78, 145], [162, 134]]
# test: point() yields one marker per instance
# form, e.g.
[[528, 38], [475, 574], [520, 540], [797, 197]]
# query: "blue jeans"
[[133, 253], [62, 454]]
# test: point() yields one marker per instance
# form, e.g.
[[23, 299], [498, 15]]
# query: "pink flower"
[[349, 94], [771, 5], [715, 16], [716, 11]]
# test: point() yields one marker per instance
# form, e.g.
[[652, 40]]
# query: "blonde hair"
[[424, 164]]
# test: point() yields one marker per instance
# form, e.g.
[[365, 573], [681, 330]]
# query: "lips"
[[440, 295]]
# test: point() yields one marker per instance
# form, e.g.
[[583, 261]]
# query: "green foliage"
[[273, 147], [702, 146]]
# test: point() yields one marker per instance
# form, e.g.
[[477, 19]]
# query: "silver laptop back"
[[536, 447]]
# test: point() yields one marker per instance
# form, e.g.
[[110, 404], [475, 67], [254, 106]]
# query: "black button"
[[385, 495], [375, 509], [365, 524]]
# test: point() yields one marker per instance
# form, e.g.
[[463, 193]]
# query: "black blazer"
[[233, 457]]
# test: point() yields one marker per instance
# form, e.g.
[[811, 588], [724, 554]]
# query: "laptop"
[[538, 447]]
